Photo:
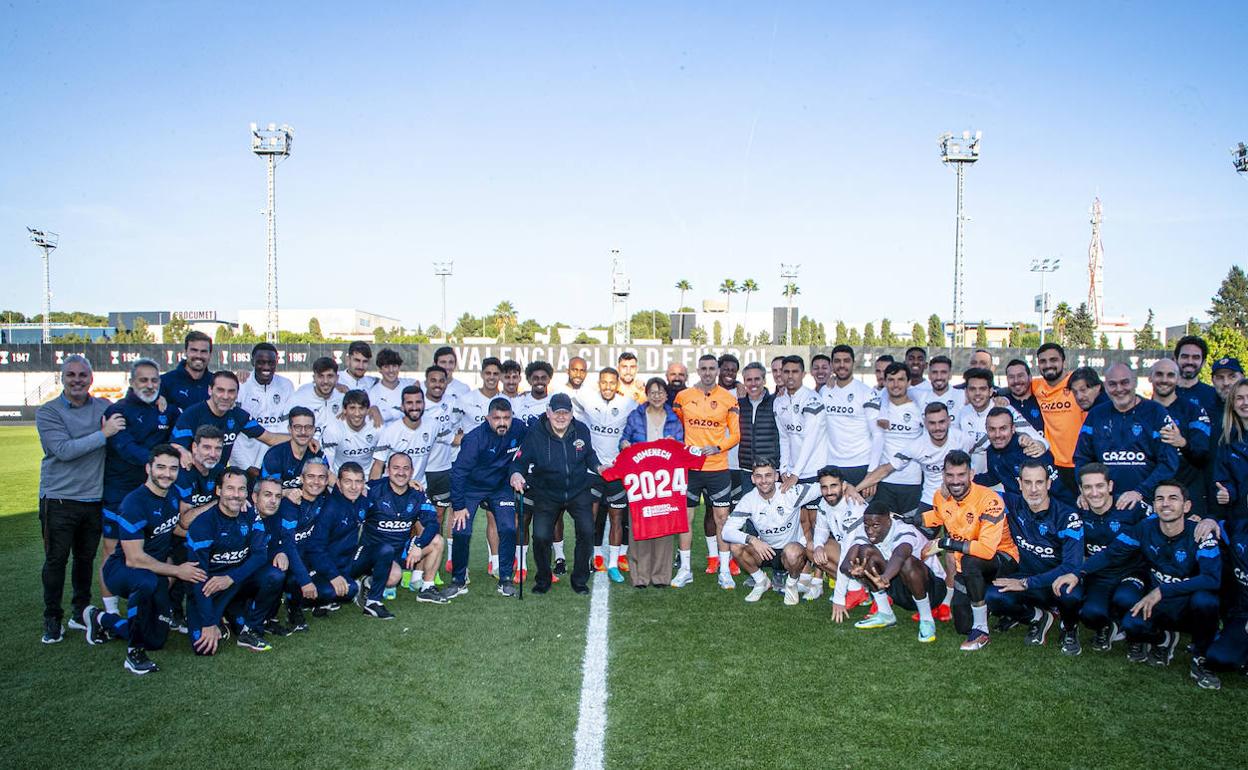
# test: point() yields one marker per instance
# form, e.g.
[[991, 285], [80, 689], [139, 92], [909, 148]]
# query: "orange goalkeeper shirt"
[[1062, 417], [710, 419], [978, 518]]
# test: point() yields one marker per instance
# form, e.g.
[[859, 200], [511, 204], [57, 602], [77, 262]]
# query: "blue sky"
[[706, 141]]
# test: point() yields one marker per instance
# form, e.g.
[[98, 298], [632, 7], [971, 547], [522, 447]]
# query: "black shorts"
[[610, 492], [900, 498], [854, 474], [742, 484], [713, 486], [438, 487], [901, 596]]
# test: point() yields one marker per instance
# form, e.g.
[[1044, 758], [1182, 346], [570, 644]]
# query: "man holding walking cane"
[[479, 477], [555, 461]]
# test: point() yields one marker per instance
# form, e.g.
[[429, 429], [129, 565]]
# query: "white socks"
[[925, 609], [882, 606], [614, 559], [685, 559], [724, 558], [110, 605], [979, 615], [418, 577], [559, 550], [712, 545], [760, 578], [494, 563], [624, 549]]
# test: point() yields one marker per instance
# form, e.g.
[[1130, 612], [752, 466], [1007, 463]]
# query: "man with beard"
[[263, 395], [729, 366], [353, 438], [851, 409], [577, 371], [1018, 393], [820, 371], [285, 462], [629, 385], [532, 405], [1062, 416], [1087, 388], [188, 383], [149, 421], [774, 514], [412, 436], [1190, 353], [972, 419], [605, 415], [355, 375], [446, 358], [1190, 431], [510, 379], [677, 375], [937, 388], [335, 539], [476, 404]]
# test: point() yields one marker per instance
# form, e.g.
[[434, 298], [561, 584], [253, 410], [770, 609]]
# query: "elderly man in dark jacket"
[[554, 463]]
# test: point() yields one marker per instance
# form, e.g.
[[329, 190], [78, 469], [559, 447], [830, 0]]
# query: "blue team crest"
[[242, 528], [229, 424], [277, 398], [1136, 429], [850, 398], [615, 411], [410, 506], [1180, 556], [1044, 528], [162, 420], [1114, 526]]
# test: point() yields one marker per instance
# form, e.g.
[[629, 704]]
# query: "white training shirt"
[[605, 420], [904, 424], [389, 401], [527, 408], [803, 436], [898, 533], [835, 521], [447, 416], [777, 520], [847, 419], [930, 458], [265, 405], [417, 443], [364, 383], [341, 444], [325, 409], [476, 407], [974, 425], [458, 388], [952, 398]]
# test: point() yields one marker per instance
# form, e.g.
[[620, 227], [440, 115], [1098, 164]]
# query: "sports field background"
[[696, 678]]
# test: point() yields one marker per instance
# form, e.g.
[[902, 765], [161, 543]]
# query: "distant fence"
[[652, 359]]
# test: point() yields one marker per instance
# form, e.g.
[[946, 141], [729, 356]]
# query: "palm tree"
[[748, 287], [683, 286], [1061, 316], [728, 288], [506, 314], [790, 291]]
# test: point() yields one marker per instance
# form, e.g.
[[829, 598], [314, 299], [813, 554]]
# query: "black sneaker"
[[1038, 630], [320, 611], [1162, 654], [95, 632], [1205, 679], [296, 619], [1005, 624], [506, 589], [361, 592], [177, 620], [253, 641], [1137, 652], [224, 628], [453, 590], [561, 566], [53, 631], [274, 626], [431, 595], [138, 663], [332, 606], [1104, 638], [378, 610], [580, 589], [1070, 642]]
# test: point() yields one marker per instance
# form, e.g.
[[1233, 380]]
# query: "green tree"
[[821, 335], [175, 331], [683, 286], [1230, 304], [1120, 343], [717, 333], [981, 335], [653, 324], [855, 339], [887, 338], [139, 334], [728, 287], [584, 339], [555, 339], [434, 331], [1146, 338], [1103, 343], [1081, 329], [739, 337], [1061, 316], [868, 335], [935, 331], [697, 335], [314, 328], [748, 287], [505, 315], [790, 290], [224, 335], [1224, 341], [763, 338], [12, 317], [842, 334], [1192, 327], [380, 335], [917, 335]]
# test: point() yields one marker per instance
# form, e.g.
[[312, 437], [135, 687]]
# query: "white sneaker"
[[726, 582], [759, 591], [814, 591], [790, 594], [683, 578]]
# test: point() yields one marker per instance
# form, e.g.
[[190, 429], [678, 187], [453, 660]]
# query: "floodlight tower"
[[1239, 154], [272, 144], [443, 270], [1096, 267], [961, 152], [47, 242], [619, 300], [1044, 267], [788, 275]]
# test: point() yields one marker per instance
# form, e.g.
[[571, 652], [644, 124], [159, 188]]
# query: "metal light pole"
[[443, 270], [1239, 154], [273, 144], [1044, 267], [960, 151], [788, 275], [47, 242]]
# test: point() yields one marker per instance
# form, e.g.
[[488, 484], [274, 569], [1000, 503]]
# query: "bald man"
[[1190, 432], [677, 376], [1125, 434]]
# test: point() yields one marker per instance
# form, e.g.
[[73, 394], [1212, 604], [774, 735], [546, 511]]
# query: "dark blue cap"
[[1227, 363], [560, 403]]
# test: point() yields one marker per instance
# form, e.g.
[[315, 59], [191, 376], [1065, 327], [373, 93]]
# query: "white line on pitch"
[[591, 722]]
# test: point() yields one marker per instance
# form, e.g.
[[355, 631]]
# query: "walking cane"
[[520, 538]]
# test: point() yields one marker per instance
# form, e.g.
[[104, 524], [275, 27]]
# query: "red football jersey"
[[655, 475]]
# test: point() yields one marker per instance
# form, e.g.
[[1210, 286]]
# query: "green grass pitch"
[[696, 678]]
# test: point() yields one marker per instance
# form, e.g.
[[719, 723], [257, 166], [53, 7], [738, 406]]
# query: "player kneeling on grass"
[[978, 535], [387, 545], [1184, 569], [139, 570], [335, 539], [826, 532], [299, 518], [228, 543], [1049, 536], [776, 518], [884, 554]]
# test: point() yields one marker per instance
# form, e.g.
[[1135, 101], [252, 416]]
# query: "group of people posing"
[[1058, 501]]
